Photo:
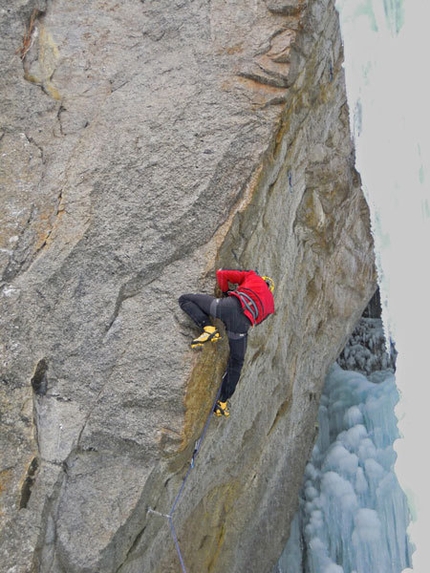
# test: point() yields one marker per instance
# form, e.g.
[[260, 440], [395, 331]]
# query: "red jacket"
[[252, 291]]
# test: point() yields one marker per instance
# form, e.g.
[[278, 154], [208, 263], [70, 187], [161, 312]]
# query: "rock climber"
[[247, 301]]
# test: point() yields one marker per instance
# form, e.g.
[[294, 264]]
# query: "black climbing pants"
[[200, 307]]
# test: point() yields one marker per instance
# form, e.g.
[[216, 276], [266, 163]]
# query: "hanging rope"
[[169, 516]]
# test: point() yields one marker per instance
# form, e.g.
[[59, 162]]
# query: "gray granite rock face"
[[143, 145]]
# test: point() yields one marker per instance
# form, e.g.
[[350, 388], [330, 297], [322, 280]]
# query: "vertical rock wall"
[[143, 144]]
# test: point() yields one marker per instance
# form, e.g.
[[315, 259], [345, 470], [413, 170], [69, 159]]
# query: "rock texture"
[[143, 145]]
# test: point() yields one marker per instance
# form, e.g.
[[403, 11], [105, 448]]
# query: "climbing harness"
[[248, 303], [169, 516]]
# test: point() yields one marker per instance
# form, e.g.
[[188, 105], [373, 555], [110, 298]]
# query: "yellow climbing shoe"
[[221, 409], [210, 333]]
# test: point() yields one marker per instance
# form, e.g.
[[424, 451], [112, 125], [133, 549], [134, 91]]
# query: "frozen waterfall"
[[353, 514]]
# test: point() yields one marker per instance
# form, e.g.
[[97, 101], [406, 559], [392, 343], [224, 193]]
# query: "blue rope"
[[176, 542], [169, 516]]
